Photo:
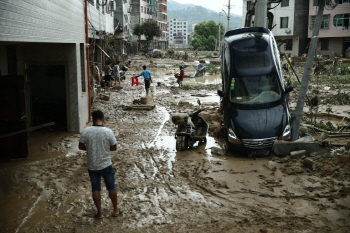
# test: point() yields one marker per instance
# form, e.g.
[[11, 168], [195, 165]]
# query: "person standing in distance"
[[116, 70], [99, 141], [181, 76], [148, 78]]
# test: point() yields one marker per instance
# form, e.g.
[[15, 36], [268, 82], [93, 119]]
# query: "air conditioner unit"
[[111, 5], [288, 31]]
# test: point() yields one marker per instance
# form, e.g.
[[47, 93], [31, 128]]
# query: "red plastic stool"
[[135, 81]]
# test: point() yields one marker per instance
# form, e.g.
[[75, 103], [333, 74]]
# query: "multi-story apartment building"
[[150, 11], [43, 47], [122, 24], [334, 35], [178, 33], [289, 24], [162, 18]]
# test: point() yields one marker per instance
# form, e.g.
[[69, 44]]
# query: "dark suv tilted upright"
[[253, 94]]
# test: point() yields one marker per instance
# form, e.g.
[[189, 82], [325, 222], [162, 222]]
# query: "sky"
[[217, 5]]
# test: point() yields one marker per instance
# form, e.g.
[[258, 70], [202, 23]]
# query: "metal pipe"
[[87, 55]]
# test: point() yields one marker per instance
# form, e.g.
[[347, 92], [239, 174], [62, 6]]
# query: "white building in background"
[[178, 33]]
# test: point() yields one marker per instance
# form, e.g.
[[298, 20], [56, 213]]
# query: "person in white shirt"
[[99, 141]]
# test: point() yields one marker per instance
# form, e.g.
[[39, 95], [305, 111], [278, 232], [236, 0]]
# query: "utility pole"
[[219, 36], [307, 72], [260, 19], [228, 15]]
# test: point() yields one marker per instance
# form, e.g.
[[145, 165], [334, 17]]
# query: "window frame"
[[324, 44], [324, 23], [281, 20], [284, 3], [288, 46], [343, 20]]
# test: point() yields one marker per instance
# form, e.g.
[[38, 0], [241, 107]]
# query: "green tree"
[[206, 35], [138, 31], [149, 30]]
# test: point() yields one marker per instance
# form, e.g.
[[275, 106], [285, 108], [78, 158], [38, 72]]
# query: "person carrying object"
[[147, 75]]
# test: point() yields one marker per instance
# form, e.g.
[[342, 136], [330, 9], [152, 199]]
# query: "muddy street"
[[161, 189]]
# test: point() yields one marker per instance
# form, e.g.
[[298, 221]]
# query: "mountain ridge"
[[196, 14]]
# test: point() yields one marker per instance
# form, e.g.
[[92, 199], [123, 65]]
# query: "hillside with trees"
[[196, 14]]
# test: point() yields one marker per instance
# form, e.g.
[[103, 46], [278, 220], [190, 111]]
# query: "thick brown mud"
[[160, 189]]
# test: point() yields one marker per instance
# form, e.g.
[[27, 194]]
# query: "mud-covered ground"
[[162, 190]]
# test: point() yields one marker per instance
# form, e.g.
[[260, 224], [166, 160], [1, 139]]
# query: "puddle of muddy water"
[[210, 79]]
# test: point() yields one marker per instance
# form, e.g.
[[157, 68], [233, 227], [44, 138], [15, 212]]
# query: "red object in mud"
[[135, 81]]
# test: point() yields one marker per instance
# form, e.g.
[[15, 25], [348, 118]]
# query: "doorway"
[[48, 101], [346, 45]]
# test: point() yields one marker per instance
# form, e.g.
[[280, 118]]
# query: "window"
[[288, 45], [284, 3], [141, 9], [82, 67], [324, 24], [253, 90], [341, 20], [284, 22], [342, 1], [316, 2], [249, 4], [324, 44], [97, 6]]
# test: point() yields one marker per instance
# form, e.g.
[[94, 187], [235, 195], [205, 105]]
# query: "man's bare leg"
[[147, 90], [96, 196], [113, 197]]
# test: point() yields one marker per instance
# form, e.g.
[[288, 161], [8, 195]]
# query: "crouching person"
[[99, 141]]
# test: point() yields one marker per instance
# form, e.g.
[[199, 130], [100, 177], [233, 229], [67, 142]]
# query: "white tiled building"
[[178, 32]]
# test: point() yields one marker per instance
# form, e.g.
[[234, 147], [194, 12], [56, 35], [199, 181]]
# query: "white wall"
[[60, 21], [100, 21], [279, 12]]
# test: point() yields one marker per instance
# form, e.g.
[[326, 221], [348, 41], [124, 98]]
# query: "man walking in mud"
[[148, 78], [99, 141]]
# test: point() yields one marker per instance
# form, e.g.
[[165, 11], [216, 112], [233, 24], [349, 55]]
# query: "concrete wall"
[[98, 20], [300, 26], [335, 46], [60, 21], [295, 50], [279, 12]]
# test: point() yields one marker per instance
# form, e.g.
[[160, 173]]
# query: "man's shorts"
[[147, 83], [117, 77], [108, 175]]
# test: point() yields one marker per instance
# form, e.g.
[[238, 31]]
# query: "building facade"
[[178, 33], [334, 35], [149, 11], [44, 44], [289, 24], [122, 24]]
